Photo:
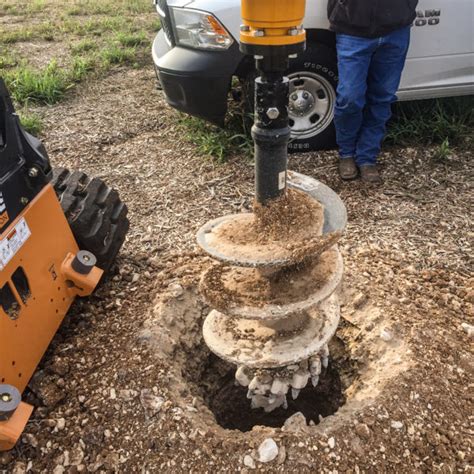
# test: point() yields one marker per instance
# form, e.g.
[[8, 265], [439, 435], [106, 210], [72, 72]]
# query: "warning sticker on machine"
[[13, 242]]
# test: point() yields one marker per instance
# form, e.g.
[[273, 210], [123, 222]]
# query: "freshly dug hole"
[[174, 331], [231, 407]]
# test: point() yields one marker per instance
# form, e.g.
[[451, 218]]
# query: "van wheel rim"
[[311, 107]]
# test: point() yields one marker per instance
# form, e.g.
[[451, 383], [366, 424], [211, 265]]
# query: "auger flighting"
[[274, 290]]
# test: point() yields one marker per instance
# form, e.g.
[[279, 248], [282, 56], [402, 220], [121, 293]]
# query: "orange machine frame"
[[28, 325]]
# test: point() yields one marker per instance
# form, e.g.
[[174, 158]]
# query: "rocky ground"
[[108, 400]]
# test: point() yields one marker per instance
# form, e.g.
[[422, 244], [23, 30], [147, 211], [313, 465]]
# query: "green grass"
[[443, 122], [85, 45], [98, 34], [36, 6], [46, 86], [218, 143], [114, 54], [7, 60], [437, 121], [131, 39], [31, 122], [15, 36], [81, 68]]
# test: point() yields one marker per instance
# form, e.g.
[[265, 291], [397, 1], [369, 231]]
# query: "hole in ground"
[[231, 407], [214, 381]]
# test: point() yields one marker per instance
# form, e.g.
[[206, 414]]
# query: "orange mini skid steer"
[[46, 217]]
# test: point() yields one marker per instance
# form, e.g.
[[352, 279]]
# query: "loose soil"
[[225, 286], [291, 217], [408, 289]]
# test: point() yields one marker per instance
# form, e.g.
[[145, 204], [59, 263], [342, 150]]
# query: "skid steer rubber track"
[[97, 216]]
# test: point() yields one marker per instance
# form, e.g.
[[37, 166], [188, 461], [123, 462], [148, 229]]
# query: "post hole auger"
[[274, 290]]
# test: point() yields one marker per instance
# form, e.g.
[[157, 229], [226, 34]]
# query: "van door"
[[441, 56]]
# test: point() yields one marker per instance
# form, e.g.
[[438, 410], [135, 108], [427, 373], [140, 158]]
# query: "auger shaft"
[[271, 32], [271, 131]]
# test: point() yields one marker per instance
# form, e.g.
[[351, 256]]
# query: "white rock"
[[60, 424], [397, 425], [268, 450], [359, 300], [19, 468], [468, 329], [296, 423], [150, 402], [386, 335], [175, 289], [249, 462], [331, 442]]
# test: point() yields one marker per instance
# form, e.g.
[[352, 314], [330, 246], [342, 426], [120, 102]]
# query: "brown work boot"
[[348, 168], [370, 174]]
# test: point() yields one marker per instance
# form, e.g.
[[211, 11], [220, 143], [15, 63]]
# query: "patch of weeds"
[[75, 10], [11, 9], [101, 8], [154, 25], [131, 39], [15, 36], [83, 46], [46, 86], [216, 142], [81, 67], [31, 122], [7, 60], [93, 26], [112, 23], [443, 152], [138, 6], [36, 6], [46, 30], [115, 54], [435, 121]]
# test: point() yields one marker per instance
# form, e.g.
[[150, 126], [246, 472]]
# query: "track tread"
[[97, 216]]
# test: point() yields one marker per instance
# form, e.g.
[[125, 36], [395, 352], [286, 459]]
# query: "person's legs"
[[353, 56], [383, 81]]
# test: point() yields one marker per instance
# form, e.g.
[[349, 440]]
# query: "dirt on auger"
[[274, 297]]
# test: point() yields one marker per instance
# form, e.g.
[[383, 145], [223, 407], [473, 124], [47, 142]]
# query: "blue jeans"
[[369, 76]]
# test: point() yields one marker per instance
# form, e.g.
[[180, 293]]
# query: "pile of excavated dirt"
[[109, 400]]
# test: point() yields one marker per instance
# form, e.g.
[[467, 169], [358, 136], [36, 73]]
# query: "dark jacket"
[[370, 18]]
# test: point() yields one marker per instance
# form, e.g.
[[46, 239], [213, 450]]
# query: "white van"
[[196, 55]]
